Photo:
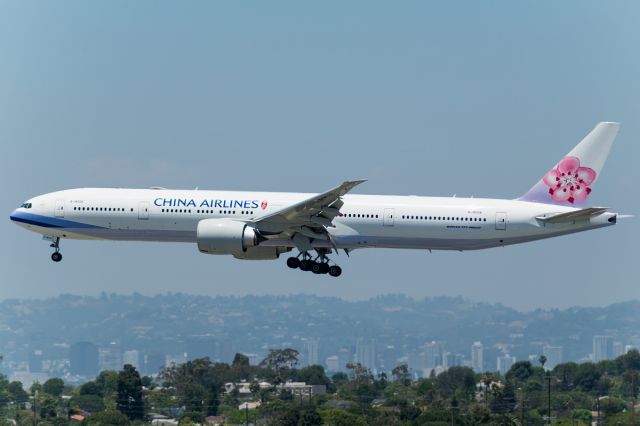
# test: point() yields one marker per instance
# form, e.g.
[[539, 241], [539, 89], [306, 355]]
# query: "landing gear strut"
[[317, 265], [56, 256]]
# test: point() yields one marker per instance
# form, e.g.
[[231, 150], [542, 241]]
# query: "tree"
[[279, 359], [194, 397], [17, 394], [240, 360], [47, 406], [53, 387], [129, 400], [401, 373], [587, 376], [520, 371], [629, 361], [461, 379], [310, 418], [109, 417]]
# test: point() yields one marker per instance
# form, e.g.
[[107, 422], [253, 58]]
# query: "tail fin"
[[569, 183]]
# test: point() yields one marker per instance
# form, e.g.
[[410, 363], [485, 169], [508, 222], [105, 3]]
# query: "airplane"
[[264, 225]]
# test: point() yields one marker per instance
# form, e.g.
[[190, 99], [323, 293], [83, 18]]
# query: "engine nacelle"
[[225, 236]]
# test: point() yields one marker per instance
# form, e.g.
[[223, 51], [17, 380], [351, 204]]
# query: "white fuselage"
[[364, 220]]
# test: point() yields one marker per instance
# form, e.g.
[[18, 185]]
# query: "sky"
[[423, 98]]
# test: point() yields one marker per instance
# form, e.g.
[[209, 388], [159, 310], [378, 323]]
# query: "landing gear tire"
[[335, 271], [306, 264], [317, 268], [56, 257], [293, 262]]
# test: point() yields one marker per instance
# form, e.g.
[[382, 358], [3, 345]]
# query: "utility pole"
[[634, 395], [598, 409], [542, 360], [521, 407], [35, 412], [549, 396]]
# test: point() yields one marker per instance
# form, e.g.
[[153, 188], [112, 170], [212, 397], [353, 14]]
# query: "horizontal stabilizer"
[[577, 215]]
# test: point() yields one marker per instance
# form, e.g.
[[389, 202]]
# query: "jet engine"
[[225, 236]]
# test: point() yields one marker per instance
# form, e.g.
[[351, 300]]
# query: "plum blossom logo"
[[263, 205], [569, 181]]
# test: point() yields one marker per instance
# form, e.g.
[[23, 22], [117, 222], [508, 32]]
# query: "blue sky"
[[424, 98]]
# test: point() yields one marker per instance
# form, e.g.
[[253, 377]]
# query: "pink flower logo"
[[263, 205], [568, 181]]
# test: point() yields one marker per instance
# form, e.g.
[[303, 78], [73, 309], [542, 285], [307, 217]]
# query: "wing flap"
[[573, 216]]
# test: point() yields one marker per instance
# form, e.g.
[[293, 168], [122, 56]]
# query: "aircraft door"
[[501, 221], [143, 210], [59, 210], [387, 217]]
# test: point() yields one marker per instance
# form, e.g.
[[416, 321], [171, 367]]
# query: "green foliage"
[[310, 418], [610, 405], [582, 415], [87, 402], [129, 387], [456, 379], [17, 394], [520, 371], [337, 417], [278, 359], [240, 360], [107, 418], [53, 387], [587, 376]]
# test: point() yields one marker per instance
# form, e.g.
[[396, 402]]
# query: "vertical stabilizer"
[[571, 180]]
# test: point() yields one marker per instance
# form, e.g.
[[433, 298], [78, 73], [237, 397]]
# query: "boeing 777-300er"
[[263, 225]]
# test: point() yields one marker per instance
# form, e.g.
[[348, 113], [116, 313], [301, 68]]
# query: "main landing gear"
[[56, 256], [317, 265]]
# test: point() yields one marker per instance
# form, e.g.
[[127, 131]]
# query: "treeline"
[[194, 390]]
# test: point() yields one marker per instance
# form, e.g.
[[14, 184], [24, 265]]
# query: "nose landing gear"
[[56, 256], [318, 265]]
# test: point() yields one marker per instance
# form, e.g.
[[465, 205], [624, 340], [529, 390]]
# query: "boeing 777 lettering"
[[264, 225]]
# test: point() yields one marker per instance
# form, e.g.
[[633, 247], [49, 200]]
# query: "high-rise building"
[[366, 353], [628, 348], [477, 357], [618, 349], [554, 356], [432, 355], [602, 348], [131, 357], [333, 363], [390, 358], [504, 363], [110, 357], [311, 351], [84, 359]]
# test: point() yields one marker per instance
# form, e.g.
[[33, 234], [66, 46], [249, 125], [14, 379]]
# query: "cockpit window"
[[26, 205]]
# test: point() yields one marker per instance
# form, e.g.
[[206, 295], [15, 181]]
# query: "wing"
[[574, 216], [307, 219]]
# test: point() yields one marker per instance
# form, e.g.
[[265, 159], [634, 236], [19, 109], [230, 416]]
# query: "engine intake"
[[225, 236]]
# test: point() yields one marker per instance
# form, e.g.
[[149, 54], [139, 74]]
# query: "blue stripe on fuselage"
[[47, 221]]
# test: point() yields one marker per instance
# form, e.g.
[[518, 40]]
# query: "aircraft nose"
[[14, 215]]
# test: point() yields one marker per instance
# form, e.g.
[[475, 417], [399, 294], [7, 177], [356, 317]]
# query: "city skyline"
[[151, 345]]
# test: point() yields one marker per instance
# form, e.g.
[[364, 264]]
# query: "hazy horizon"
[[466, 98]]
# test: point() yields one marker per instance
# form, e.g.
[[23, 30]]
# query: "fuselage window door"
[[387, 218], [501, 221], [59, 211], [143, 210]]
